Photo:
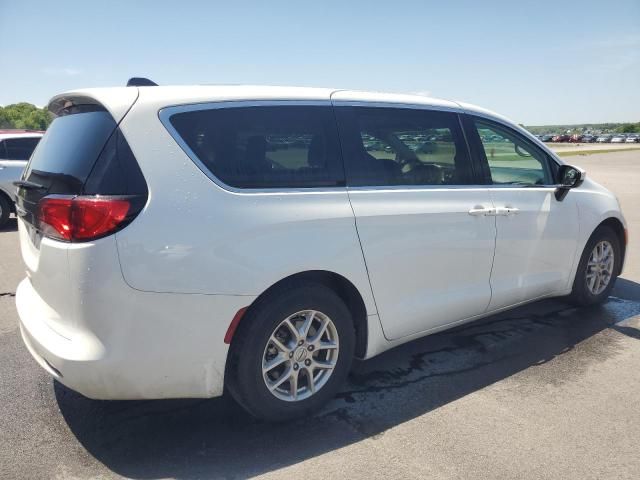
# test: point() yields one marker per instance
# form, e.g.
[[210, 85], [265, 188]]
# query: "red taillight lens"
[[81, 218]]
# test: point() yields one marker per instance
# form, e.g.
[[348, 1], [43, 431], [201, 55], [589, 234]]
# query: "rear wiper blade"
[[29, 185]]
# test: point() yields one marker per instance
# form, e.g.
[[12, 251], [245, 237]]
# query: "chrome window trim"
[[413, 188], [165, 113]]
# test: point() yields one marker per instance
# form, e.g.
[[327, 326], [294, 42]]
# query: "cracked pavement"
[[543, 391]]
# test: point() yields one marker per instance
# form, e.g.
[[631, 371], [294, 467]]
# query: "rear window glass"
[[66, 154], [19, 148], [264, 147]]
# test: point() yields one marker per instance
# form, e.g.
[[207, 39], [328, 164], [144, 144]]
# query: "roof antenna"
[[141, 82]]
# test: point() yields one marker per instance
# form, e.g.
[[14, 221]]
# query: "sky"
[[539, 62]]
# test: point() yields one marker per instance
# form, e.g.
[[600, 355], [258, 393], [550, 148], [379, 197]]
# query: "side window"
[[3, 150], [396, 146], [265, 147], [512, 159], [20, 148]]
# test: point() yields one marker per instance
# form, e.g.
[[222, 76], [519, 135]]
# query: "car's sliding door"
[[422, 223]]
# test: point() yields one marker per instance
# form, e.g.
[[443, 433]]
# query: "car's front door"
[[536, 233], [420, 215]]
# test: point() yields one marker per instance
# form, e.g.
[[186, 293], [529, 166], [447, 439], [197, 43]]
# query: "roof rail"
[[141, 82]]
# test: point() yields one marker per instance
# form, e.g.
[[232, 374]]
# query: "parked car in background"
[[604, 139], [16, 146], [560, 138], [311, 256], [546, 138], [633, 139], [576, 138], [618, 139], [589, 138]]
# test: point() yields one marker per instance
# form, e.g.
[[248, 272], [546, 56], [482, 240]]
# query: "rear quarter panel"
[[194, 236]]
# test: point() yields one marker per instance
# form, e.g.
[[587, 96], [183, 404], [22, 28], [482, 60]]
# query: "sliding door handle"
[[506, 211]]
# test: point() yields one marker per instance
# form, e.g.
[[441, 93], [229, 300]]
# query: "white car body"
[[11, 168], [143, 313]]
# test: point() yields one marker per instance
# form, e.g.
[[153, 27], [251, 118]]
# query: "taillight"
[[82, 218]]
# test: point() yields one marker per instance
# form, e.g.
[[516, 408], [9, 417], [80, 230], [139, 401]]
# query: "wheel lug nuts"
[[310, 348], [307, 362], [295, 366], [290, 354], [300, 342]]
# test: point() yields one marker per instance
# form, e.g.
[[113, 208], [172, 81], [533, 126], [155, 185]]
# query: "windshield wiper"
[[29, 185]]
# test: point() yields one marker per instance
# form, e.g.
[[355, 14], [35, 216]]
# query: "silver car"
[[16, 146]]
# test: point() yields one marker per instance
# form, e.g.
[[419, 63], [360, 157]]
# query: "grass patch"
[[594, 152]]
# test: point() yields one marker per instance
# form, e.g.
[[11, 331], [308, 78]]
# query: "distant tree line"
[[24, 116], [586, 127]]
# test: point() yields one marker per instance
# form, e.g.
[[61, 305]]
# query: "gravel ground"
[[544, 391]]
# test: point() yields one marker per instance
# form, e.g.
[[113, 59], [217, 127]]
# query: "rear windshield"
[[66, 154]]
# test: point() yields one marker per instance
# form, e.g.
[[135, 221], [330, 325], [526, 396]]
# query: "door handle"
[[479, 211], [506, 211]]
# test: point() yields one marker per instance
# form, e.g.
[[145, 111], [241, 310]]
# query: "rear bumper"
[[148, 346]]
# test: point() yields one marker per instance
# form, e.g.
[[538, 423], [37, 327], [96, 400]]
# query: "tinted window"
[[512, 159], [3, 150], [265, 147], [391, 146], [68, 151], [116, 172], [19, 148]]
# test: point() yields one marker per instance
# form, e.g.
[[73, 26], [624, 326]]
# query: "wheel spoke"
[[283, 378], [323, 365], [307, 324], [310, 382], [326, 346], [274, 362], [293, 329], [293, 384], [318, 336], [279, 345]]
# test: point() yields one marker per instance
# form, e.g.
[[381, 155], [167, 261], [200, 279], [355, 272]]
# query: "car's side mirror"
[[569, 177]]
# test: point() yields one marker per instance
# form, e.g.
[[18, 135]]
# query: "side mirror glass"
[[569, 177]]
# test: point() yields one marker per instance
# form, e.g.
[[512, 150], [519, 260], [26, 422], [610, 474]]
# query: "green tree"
[[24, 115], [630, 128]]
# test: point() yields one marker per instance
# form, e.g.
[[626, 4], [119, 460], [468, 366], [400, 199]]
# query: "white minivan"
[[183, 241]]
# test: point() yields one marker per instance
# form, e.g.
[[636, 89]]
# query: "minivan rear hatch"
[[83, 155]]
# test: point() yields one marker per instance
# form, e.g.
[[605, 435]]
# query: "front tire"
[[292, 353], [598, 268]]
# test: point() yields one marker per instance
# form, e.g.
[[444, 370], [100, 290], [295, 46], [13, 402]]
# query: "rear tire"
[[5, 210], [307, 331], [597, 271]]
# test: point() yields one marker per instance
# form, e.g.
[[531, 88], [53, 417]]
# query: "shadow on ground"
[[10, 226], [210, 438]]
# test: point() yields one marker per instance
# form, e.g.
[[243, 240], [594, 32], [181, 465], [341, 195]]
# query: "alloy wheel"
[[300, 355], [600, 267]]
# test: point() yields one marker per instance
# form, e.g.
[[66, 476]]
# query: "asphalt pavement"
[[543, 391]]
